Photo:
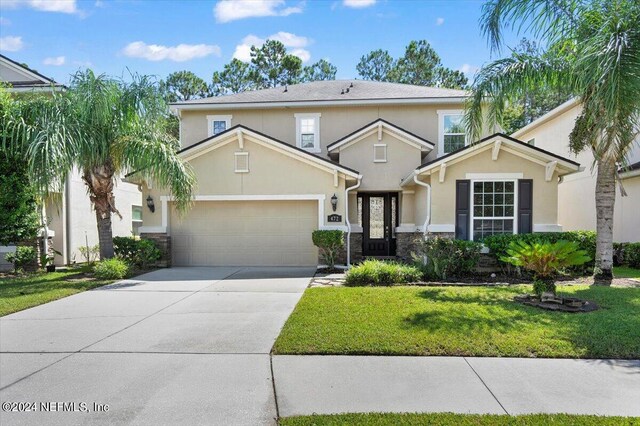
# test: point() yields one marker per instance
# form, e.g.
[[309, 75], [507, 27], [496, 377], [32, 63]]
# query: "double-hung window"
[[452, 134], [308, 132], [218, 124], [494, 208], [136, 219]]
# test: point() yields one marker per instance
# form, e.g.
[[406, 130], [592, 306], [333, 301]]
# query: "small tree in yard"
[[329, 243], [545, 260]]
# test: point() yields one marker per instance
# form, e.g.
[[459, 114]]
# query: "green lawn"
[[460, 321], [24, 292], [626, 272], [448, 419]]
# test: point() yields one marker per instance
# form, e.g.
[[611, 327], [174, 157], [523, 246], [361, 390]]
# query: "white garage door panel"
[[245, 233]]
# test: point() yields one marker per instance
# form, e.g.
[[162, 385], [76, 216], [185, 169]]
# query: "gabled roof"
[[328, 92], [505, 142], [22, 78], [560, 109], [230, 134], [382, 125]]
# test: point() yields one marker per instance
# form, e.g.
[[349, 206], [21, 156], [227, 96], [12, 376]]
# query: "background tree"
[[104, 128], [235, 77], [376, 66], [321, 70], [593, 52], [272, 66], [184, 86]]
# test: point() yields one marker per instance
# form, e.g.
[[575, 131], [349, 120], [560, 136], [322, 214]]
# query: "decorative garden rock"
[[555, 303]]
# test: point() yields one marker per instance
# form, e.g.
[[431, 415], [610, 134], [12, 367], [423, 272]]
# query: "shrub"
[[499, 244], [378, 273], [20, 258], [138, 252], [439, 257], [330, 243], [632, 255], [545, 260], [89, 254], [111, 269]]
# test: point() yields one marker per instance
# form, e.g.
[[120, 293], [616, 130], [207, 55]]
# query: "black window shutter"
[[525, 206], [463, 213]]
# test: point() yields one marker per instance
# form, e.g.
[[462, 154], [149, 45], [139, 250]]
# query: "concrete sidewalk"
[[350, 384]]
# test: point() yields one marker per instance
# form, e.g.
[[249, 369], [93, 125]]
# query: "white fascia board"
[[391, 130], [354, 102], [630, 174]]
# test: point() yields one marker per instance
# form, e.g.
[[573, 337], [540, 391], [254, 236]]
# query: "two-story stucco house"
[[384, 162], [576, 195]]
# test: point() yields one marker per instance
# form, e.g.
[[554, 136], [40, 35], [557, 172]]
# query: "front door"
[[379, 214]]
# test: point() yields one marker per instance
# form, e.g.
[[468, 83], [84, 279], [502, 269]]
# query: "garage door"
[[245, 233]]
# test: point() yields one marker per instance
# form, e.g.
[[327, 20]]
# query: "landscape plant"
[[111, 269], [329, 242], [632, 255], [90, 253], [545, 260], [441, 258], [23, 256], [376, 272], [138, 252]]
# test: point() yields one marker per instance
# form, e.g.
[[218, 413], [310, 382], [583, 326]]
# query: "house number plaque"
[[334, 218]]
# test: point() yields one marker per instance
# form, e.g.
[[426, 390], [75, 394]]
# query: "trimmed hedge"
[[381, 273], [330, 242], [632, 254], [441, 258], [138, 252]]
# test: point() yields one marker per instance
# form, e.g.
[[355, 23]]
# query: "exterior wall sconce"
[[150, 204], [334, 202]]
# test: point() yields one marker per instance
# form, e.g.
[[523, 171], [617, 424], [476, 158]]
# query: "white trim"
[[515, 204], [356, 229], [561, 109], [490, 176], [236, 157], [455, 100], [386, 128], [442, 113], [496, 150], [384, 151], [546, 227], [29, 74], [316, 130], [212, 118], [407, 228], [441, 227], [629, 174], [549, 168], [152, 230]]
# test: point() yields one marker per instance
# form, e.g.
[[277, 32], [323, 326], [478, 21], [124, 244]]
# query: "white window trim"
[[316, 134], [442, 113], [380, 145], [515, 203], [237, 156], [212, 118]]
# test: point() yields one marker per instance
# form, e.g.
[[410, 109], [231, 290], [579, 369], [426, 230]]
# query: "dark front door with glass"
[[379, 220]]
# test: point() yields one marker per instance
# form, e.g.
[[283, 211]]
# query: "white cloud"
[[439, 21], [358, 4], [295, 42], [179, 53], [4, 21], [55, 61], [232, 10], [62, 6], [11, 43], [468, 70]]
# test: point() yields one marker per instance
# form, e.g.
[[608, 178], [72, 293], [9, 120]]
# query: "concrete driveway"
[[175, 346]]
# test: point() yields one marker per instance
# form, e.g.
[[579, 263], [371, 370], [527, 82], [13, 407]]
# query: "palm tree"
[[103, 128], [593, 51]]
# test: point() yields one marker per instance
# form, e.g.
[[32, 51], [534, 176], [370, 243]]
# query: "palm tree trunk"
[[105, 235], [605, 201], [99, 181]]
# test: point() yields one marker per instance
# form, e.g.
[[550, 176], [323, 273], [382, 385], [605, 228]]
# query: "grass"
[[449, 419], [460, 321], [626, 272], [22, 292]]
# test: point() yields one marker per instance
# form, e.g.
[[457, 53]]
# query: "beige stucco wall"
[[576, 194], [443, 194], [270, 173]]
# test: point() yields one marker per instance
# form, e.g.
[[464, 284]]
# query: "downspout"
[[346, 207], [425, 227]]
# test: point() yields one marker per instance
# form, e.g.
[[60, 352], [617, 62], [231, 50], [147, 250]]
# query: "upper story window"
[[308, 132], [218, 124], [451, 134]]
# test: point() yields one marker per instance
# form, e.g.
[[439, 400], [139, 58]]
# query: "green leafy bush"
[[20, 258], [138, 252], [330, 242], [111, 269], [632, 255], [440, 258], [545, 260], [499, 244], [381, 273]]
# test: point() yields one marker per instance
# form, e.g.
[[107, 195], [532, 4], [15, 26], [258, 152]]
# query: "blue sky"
[[57, 37]]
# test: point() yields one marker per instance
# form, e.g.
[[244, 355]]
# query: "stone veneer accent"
[[163, 241], [356, 250]]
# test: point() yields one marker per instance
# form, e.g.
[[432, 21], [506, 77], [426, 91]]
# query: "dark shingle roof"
[[332, 90]]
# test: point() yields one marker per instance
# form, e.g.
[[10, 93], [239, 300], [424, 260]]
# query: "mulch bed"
[[563, 304]]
